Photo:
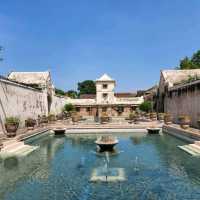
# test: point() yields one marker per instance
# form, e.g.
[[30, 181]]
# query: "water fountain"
[[105, 173], [106, 143]]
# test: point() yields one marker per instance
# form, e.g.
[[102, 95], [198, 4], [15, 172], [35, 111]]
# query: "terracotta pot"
[[168, 119], [52, 118], [147, 115], [11, 129], [75, 118], [198, 122], [161, 116], [60, 116], [153, 116], [30, 123], [184, 121]]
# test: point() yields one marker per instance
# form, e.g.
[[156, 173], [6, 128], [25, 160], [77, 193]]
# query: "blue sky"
[[131, 40]]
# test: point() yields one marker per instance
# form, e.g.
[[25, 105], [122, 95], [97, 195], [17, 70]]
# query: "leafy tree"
[[87, 87], [146, 106], [186, 63], [196, 59], [72, 93], [69, 107], [59, 92], [193, 63]]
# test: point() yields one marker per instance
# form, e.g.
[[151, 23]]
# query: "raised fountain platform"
[[109, 175], [106, 142]]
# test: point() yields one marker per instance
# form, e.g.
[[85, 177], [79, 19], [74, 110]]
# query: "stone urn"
[[184, 121], [51, 118], [59, 116], [75, 117], [153, 116], [30, 123], [147, 115], [198, 122], [104, 118], [11, 125], [168, 119], [161, 117]]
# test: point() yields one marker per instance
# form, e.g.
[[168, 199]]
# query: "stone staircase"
[[192, 149], [16, 148]]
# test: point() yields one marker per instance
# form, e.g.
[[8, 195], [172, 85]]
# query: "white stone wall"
[[185, 103], [20, 101], [57, 104]]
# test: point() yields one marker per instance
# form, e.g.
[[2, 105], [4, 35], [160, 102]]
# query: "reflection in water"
[[11, 162], [61, 169]]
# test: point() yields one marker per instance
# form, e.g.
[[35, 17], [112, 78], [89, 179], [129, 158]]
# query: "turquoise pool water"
[[61, 169]]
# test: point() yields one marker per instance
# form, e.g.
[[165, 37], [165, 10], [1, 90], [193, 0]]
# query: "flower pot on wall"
[[184, 121], [198, 122], [30, 123], [104, 118], [11, 125], [147, 115], [153, 116], [168, 118], [161, 117]]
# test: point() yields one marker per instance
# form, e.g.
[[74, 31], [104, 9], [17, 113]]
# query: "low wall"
[[20, 101], [184, 102]]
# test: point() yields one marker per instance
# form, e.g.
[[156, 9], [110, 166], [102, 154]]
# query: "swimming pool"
[[62, 168]]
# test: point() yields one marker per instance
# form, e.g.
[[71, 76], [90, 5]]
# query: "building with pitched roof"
[[179, 93]]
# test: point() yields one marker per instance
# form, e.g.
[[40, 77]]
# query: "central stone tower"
[[105, 86]]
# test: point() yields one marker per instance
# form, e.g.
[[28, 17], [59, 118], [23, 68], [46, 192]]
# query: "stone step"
[[189, 150], [195, 146], [14, 148], [13, 145], [9, 142], [25, 150], [197, 143]]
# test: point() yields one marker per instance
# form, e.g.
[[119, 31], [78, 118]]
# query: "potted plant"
[[104, 118], [198, 122], [131, 117], [11, 125], [69, 108], [75, 117], [51, 117], [30, 123], [147, 115], [44, 119], [153, 116], [184, 121], [137, 118], [168, 118], [161, 117], [59, 116]]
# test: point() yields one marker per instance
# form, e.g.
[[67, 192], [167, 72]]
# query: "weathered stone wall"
[[184, 102], [17, 100], [57, 104]]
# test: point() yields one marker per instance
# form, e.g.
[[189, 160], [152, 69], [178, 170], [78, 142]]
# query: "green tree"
[[87, 87], [186, 63], [196, 59], [59, 92], [146, 106], [69, 107], [72, 93]]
